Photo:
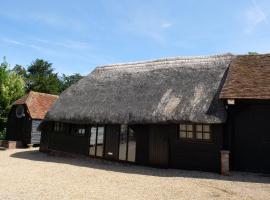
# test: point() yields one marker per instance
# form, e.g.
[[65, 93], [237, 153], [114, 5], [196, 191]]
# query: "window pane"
[[206, 128], [182, 127], [199, 135], [199, 128], [189, 127], [183, 134], [92, 150], [100, 141], [189, 134], [123, 143], [206, 136], [81, 131], [55, 127], [131, 145]]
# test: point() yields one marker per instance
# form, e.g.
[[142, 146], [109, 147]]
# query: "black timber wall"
[[19, 128], [66, 141], [142, 141], [203, 156], [250, 135], [181, 154]]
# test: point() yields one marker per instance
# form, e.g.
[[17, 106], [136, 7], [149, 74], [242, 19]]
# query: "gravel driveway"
[[29, 174]]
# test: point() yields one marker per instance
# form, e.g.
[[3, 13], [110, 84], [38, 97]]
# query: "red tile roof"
[[248, 78], [37, 103]]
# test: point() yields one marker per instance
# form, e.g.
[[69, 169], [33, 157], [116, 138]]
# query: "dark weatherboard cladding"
[[170, 113]]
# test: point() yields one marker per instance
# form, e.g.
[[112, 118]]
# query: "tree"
[[252, 53], [41, 78], [20, 70], [67, 81], [12, 87]]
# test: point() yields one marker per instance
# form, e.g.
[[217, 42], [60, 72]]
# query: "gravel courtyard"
[[29, 174]]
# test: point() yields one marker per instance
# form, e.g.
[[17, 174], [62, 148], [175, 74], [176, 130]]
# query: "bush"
[[3, 134]]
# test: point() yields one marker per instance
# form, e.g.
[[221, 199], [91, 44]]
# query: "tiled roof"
[[37, 103], [248, 78]]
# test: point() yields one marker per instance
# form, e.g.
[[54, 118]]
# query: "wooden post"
[[225, 162]]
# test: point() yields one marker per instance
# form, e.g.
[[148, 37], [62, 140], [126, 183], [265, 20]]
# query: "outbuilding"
[[246, 94], [164, 113], [26, 115]]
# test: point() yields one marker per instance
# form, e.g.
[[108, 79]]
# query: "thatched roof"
[[248, 78], [37, 103], [160, 91]]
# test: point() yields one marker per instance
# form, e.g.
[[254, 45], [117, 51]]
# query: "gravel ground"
[[29, 174]]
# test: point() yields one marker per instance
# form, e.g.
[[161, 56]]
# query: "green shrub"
[[3, 134]]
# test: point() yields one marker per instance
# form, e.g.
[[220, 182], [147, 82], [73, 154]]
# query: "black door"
[[251, 144], [112, 142], [158, 146]]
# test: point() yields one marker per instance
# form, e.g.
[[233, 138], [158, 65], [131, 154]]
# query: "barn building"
[[165, 113], [246, 93], [26, 115]]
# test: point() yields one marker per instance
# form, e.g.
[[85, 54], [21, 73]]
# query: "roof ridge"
[[169, 59], [42, 93]]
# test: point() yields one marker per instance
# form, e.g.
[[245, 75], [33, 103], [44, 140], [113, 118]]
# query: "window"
[[20, 111], [96, 145], [123, 142], [81, 132], [59, 127], [198, 132], [56, 127], [186, 131], [127, 144], [100, 141]]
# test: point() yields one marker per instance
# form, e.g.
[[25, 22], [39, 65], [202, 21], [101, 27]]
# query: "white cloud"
[[70, 44], [166, 25], [18, 43], [54, 20], [254, 16], [11, 41]]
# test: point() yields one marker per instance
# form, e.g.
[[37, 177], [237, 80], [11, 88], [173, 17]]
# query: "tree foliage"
[[252, 53], [41, 78], [12, 87], [67, 81]]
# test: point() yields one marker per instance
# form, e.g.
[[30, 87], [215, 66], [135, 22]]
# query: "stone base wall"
[[11, 144], [225, 162]]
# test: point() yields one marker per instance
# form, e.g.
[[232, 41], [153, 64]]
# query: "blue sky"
[[77, 36]]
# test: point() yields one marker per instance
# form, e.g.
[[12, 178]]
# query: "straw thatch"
[[161, 91]]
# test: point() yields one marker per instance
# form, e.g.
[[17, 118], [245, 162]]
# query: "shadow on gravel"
[[35, 155]]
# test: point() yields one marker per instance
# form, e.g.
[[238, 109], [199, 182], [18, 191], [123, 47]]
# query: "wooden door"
[[251, 141], [112, 142], [158, 146]]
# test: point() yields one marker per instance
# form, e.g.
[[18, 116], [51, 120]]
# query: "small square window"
[[189, 127], [183, 134], [189, 135], [199, 135], [206, 128], [183, 127], [206, 136], [199, 128], [81, 131], [196, 132]]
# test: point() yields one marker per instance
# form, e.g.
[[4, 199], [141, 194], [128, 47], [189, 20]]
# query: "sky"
[[76, 36]]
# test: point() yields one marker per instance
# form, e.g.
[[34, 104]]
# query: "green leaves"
[[39, 77], [12, 87]]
